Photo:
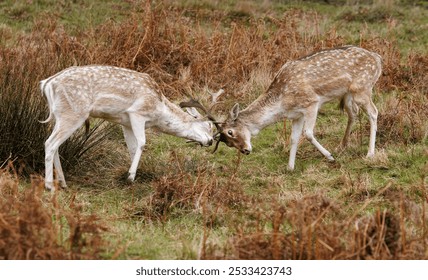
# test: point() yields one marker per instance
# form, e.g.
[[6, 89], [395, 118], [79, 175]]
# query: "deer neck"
[[264, 111], [175, 121]]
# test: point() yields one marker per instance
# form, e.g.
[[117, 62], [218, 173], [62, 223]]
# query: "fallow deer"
[[129, 98], [297, 92]]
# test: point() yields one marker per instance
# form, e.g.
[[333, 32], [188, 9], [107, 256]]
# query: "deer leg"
[[365, 101], [62, 131], [308, 131], [352, 111], [372, 112], [138, 126], [58, 168], [296, 132], [131, 141]]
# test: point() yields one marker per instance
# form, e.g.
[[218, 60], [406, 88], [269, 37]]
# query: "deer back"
[[102, 91], [325, 75]]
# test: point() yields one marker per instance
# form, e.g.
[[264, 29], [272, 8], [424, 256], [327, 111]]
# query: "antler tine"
[[220, 138], [214, 97], [218, 135], [216, 146], [196, 104], [193, 103]]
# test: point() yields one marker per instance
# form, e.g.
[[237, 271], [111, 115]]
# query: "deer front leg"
[[137, 126], [308, 130], [131, 141], [296, 132]]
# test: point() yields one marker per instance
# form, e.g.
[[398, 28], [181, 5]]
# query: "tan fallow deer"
[[298, 91], [129, 98]]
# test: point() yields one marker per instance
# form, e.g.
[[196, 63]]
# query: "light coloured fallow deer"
[[297, 92], [129, 98]]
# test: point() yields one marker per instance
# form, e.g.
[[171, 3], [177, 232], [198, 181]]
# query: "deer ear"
[[193, 112], [234, 112]]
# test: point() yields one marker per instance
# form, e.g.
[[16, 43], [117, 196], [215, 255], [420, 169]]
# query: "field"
[[188, 203]]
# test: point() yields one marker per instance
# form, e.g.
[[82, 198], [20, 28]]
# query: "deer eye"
[[230, 133]]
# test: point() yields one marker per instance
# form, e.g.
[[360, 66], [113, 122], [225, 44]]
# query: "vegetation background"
[[186, 202]]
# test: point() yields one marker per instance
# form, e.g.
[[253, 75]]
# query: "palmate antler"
[[196, 104]]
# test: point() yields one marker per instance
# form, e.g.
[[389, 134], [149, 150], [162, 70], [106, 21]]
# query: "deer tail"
[[47, 90]]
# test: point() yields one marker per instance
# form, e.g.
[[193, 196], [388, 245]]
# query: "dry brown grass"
[[315, 227], [36, 226], [403, 118], [186, 188]]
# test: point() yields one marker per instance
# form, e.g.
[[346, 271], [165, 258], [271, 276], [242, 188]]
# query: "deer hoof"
[[63, 185], [370, 155], [50, 186], [130, 179], [330, 158]]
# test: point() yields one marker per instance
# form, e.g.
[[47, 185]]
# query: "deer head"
[[194, 104], [234, 133]]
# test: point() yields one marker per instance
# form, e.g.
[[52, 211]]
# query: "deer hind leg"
[[296, 132], [365, 101], [58, 168], [351, 110], [138, 126], [308, 130], [63, 129]]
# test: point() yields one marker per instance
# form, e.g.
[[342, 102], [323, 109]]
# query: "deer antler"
[[219, 137], [196, 104], [215, 96]]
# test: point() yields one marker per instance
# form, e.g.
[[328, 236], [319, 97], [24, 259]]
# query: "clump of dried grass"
[[377, 236], [34, 226], [315, 227], [186, 188], [403, 118], [295, 231]]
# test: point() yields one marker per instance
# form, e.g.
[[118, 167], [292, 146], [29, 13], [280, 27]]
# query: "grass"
[[187, 203], [75, 15]]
